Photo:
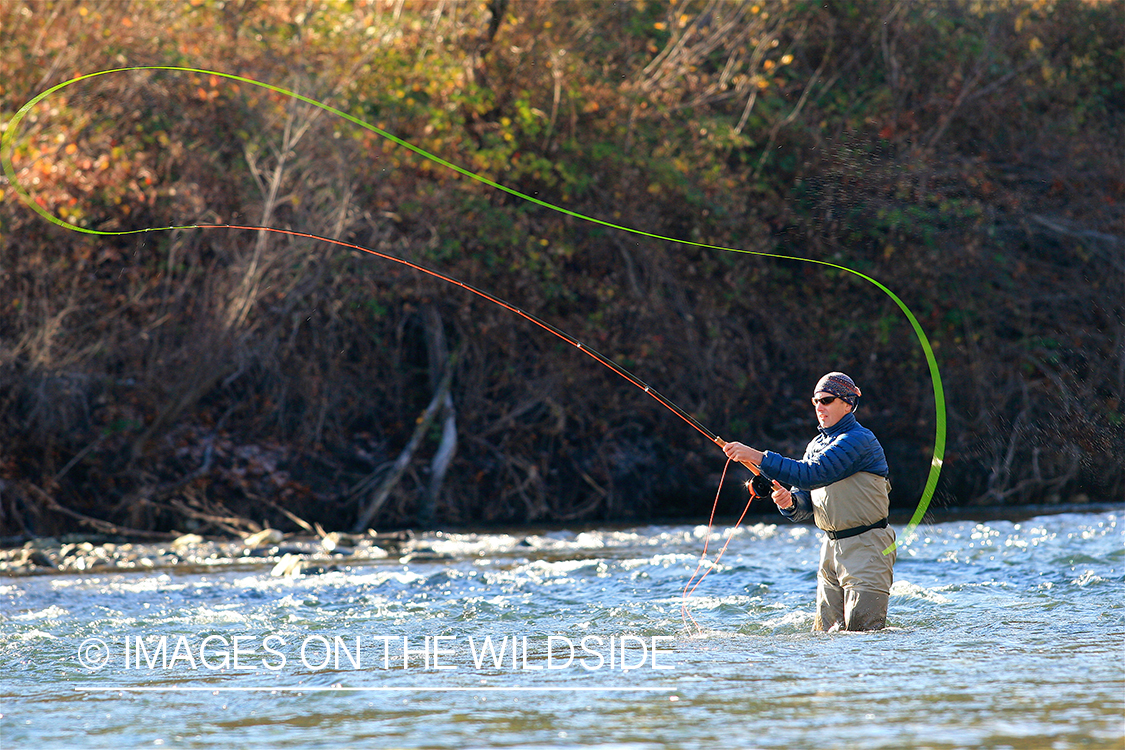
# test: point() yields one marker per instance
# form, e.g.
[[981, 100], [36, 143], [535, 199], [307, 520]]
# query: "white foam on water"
[[147, 584], [54, 612], [907, 590], [289, 600], [669, 560], [562, 567], [1087, 578], [761, 530], [792, 618], [219, 614], [467, 545], [379, 577], [35, 635]]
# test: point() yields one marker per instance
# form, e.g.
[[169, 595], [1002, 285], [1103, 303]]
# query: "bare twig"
[[103, 526], [379, 498]]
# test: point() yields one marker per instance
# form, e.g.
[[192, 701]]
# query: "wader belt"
[[847, 533]]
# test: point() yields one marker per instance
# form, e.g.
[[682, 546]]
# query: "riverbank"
[[284, 555], [289, 555]]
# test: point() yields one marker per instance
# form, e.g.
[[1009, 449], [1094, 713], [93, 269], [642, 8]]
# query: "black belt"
[[846, 533]]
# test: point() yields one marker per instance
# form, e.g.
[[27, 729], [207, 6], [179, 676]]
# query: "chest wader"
[[854, 581]]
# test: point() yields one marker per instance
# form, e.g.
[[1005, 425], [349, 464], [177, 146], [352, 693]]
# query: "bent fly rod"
[[7, 147], [495, 300], [668, 404]]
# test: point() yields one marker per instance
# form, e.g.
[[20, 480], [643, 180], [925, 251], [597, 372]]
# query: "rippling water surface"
[[1003, 635]]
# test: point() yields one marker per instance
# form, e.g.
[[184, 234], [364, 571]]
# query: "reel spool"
[[760, 486]]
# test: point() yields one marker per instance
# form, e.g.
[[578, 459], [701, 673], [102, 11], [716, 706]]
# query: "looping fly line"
[[7, 145]]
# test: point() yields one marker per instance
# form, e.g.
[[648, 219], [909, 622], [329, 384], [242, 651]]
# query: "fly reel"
[[760, 486]]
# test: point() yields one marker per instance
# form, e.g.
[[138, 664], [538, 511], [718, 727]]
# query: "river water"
[[1002, 635]]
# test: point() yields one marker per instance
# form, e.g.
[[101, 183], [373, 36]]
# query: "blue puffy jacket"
[[839, 451]]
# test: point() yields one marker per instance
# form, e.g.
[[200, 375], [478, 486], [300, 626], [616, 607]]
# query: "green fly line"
[[7, 146]]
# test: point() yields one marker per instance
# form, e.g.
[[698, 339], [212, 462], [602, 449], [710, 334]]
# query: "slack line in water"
[[7, 146]]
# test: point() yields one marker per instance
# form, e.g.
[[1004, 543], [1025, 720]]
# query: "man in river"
[[842, 484]]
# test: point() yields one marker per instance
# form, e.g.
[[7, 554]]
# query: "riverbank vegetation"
[[966, 155]]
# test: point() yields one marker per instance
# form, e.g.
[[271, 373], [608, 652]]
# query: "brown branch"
[[103, 526], [427, 417]]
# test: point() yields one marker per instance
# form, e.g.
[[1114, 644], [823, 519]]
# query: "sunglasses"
[[824, 400]]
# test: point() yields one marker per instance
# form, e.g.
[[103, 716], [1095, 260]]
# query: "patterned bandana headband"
[[839, 384]]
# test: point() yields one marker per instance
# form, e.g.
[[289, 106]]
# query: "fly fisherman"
[[842, 484]]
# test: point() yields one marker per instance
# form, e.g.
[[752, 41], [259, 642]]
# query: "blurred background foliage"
[[968, 155]]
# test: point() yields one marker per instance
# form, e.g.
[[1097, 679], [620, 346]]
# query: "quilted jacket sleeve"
[[846, 454]]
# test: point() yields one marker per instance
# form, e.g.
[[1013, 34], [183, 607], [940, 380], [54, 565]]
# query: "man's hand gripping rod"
[[760, 485]]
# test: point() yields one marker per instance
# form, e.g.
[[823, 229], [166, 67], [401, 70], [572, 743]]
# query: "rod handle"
[[753, 469]]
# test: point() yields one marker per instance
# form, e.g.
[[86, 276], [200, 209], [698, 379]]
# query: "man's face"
[[830, 413]]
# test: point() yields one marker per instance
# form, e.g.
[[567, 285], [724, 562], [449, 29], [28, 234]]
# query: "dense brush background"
[[967, 155]]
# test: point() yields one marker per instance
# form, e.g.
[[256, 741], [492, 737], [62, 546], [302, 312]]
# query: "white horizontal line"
[[323, 689]]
